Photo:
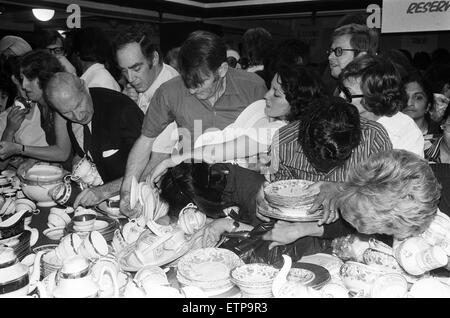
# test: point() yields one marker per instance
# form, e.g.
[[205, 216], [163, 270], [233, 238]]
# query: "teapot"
[[75, 279], [282, 287], [15, 279]]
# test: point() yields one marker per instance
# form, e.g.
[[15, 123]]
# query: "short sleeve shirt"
[[173, 102]]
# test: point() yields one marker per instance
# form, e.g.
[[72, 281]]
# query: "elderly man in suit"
[[102, 125], [111, 124]]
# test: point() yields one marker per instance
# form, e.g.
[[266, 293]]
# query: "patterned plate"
[[256, 273], [208, 264], [289, 188]]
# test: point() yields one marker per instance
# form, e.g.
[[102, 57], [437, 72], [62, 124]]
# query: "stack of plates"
[[103, 224], [291, 199], [49, 262], [208, 269], [20, 243]]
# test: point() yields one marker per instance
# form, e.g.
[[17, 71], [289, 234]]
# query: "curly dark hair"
[[330, 132], [380, 84], [40, 64], [300, 85], [200, 183]]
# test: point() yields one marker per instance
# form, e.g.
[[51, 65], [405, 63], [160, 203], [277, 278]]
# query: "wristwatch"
[[236, 225]]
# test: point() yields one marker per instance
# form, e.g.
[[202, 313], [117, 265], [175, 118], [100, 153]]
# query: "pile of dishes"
[[291, 199], [208, 269], [50, 262], [103, 224], [20, 243], [255, 280], [153, 207]]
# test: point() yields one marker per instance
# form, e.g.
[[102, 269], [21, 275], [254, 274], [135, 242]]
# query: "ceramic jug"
[[75, 279], [15, 279]]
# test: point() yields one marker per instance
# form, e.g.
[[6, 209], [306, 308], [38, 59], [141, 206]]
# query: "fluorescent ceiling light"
[[43, 14]]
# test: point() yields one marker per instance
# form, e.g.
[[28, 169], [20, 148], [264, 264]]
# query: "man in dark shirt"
[[102, 125]]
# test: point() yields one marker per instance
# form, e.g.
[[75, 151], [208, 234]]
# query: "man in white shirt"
[[141, 63]]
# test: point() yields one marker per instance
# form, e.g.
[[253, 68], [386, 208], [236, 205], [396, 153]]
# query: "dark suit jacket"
[[116, 125]]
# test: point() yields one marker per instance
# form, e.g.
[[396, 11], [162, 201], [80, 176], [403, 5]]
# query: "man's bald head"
[[69, 96], [63, 85]]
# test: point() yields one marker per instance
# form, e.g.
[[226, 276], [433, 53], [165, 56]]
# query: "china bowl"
[[39, 180], [254, 280], [359, 277]]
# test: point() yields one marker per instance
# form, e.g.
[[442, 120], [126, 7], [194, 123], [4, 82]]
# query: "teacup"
[[84, 222], [93, 246], [68, 246], [150, 276], [57, 218], [106, 286], [359, 277], [118, 242], [87, 172], [66, 192]]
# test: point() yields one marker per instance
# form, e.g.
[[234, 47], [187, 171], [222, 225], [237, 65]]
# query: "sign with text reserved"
[[415, 16]]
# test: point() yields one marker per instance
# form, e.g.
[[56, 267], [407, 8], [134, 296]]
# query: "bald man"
[[102, 125]]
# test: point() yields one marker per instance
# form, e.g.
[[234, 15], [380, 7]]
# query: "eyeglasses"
[[338, 51], [57, 50], [445, 127]]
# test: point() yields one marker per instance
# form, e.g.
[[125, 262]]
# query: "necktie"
[[87, 140]]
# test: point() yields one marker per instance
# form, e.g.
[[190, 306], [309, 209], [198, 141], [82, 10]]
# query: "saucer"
[[54, 233]]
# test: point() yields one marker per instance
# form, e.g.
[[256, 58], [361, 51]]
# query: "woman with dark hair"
[[420, 101], [328, 135], [292, 89], [373, 85]]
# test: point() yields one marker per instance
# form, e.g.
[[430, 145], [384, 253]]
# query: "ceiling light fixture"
[[43, 14]]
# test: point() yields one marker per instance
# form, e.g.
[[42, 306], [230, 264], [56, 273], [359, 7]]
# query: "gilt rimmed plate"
[[54, 233], [108, 211], [321, 274]]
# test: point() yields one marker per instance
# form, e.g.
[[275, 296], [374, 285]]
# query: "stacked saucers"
[[208, 269], [103, 224], [291, 199], [255, 280], [20, 243], [50, 262]]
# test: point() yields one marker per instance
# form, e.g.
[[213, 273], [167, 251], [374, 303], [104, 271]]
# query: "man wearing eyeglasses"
[[53, 41], [348, 42]]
